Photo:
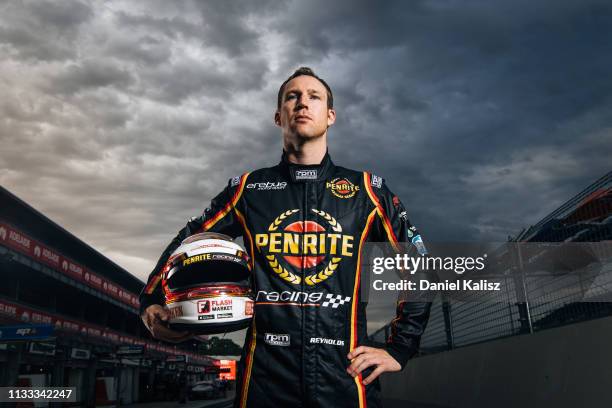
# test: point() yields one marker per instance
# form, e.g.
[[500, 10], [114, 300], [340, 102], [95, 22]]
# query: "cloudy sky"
[[121, 119]]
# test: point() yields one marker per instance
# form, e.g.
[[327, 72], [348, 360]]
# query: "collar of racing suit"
[[301, 173]]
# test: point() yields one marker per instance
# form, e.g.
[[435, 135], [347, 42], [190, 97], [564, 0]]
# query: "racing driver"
[[304, 223]]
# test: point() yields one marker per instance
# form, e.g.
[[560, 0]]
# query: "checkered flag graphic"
[[335, 300]]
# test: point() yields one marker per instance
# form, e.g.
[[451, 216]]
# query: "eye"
[[314, 97], [290, 96]]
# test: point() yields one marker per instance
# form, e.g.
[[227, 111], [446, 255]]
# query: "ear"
[[277, 118], [331, 117]]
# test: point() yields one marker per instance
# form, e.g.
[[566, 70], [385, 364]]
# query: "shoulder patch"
[[376, 181], [235, 181]]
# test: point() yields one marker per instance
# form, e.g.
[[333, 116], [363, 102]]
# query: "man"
[[304, 223]]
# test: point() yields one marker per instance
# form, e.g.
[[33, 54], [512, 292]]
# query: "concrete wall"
[[565, 367]]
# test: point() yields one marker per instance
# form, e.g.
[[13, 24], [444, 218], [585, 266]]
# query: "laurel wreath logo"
[[281, 271], [278, 220], [331, 220], [315, 278]]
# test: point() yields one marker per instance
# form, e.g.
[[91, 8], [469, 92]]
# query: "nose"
[[302, 102]]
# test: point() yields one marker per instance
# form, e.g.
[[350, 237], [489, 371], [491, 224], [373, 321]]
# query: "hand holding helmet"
[[155, 318]]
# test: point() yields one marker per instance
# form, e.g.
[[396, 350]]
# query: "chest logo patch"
[[293, 243], [342, 188]]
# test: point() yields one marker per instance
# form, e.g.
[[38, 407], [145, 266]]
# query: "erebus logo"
[[282, 340], [268, 185]]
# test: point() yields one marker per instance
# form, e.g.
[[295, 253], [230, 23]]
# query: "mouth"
[[301, 118]]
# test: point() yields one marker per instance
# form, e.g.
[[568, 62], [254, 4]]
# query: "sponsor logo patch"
[[331, 342], [302, 298], [206, 317], [224, 316], [376, 181], [235, 181], [268, 185], [211, 306], [342, 188], [282, 340], [306, 175], [203, 306], [419, 244], [396, 202], [293, 243]]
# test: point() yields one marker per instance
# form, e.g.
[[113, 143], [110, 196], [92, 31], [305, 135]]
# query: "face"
[[303, 113]]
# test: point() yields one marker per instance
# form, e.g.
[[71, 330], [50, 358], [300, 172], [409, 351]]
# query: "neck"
[[306, 152]]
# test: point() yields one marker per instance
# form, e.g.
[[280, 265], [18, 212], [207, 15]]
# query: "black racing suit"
[[304, 227]]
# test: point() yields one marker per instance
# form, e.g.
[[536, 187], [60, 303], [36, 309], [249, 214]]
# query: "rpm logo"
[[294, 243], [342, 188], [283, 340]]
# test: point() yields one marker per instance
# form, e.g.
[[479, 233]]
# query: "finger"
[[148, 317], [359, 362], [357, 351], [351, 368], [378, 371], [162, 314], [368, 362]]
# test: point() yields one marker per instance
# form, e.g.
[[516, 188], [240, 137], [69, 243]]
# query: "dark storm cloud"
[[236, 35], [41, 30], [121, 119], [87, 75]]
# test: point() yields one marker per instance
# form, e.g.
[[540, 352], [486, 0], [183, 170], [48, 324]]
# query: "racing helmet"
[[206, 285]]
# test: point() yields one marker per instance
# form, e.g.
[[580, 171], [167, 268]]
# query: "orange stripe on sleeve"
[[228, 207], [381, 212], [353, 341], [153, 284]]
